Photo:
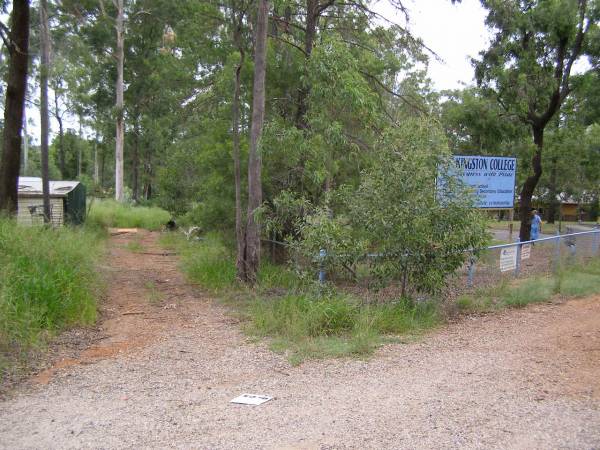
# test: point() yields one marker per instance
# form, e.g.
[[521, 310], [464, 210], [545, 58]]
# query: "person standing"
[[536, 225]]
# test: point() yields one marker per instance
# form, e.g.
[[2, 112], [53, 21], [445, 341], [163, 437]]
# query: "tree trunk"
[[61, 132], [252, 238], [530, 184], [102, 166], [96, 167], [239, 226], [135, 160], [80, 149], [25, 145], [120, 134], [553, 203], [44, 119], [14, 103]]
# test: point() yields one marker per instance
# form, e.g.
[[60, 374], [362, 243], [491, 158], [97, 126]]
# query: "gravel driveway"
[[518, 379]]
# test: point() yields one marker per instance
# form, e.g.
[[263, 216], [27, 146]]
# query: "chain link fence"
[[540, 257], [490, 266]]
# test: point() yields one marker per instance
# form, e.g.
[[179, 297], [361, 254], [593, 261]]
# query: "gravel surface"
[[518, 379]]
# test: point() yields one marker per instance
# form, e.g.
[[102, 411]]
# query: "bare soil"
[[165, 361]]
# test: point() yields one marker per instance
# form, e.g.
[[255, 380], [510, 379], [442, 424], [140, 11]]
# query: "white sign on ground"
[[508, 259], [251, 399], [491, 179], [525, 251]]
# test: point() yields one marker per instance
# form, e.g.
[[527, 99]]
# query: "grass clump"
[[578, 281], [135, 246], [48, 282], [534, 290], [207, 262], [333, 326], [578, 284], [155, 296], [211, 264], [110, 213]]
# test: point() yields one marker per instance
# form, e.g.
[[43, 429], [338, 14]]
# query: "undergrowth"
[[48, 282], [110, 213], [339, 325], [300, 319], [306, 320]]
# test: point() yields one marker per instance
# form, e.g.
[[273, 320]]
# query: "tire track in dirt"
[[146, 296]]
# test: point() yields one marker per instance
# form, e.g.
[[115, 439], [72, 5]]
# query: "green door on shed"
[[75, 205]]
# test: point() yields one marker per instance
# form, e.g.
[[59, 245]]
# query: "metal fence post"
[[518, 264], [471, 271], [322, 254]]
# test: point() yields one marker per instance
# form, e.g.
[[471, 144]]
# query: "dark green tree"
[[528, 67]]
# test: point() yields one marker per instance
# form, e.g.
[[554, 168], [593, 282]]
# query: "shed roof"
[[32, 187]]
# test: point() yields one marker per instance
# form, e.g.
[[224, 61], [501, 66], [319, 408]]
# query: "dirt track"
[[163, 372]]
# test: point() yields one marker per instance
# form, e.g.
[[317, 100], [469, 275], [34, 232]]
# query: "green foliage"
[[532, 42], [109, 213], [48, 282], [344, 247], [418, 233]]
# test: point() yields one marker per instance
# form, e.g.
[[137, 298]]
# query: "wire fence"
[[497, 263], [530, 258]]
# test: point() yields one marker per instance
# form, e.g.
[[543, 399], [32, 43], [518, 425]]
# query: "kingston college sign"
[[491, 179]]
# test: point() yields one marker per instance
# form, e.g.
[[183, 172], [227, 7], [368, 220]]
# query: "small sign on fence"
[[525, 251], [508, 259]]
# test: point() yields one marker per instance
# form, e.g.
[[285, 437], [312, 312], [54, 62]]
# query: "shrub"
[[420, 233]]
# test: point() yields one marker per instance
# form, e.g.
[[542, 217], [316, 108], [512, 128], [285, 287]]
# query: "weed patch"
[[110, 213], [579, 284], [154, 295], [535, 290], [48, 282], [135, 246], [339, 325], [578, 281]]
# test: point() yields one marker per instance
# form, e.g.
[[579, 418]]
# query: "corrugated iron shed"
[[67, 201]]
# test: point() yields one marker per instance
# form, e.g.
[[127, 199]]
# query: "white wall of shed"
[[24, 217]]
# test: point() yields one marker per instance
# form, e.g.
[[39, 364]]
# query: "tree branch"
[[5, 33], [391, 92], [289, 43]]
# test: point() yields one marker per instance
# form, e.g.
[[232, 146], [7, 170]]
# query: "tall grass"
[[47, 283], [211, 264], [338, 325], [207, 262], [109, 213]]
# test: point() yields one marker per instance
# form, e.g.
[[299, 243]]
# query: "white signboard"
[[525, 251], [491, 179], [508, 259], [251, 399]]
